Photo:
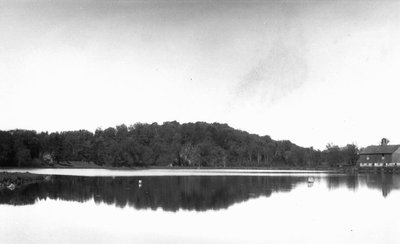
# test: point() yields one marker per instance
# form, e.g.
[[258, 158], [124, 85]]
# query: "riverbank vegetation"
[[169, 144], [11, 181]]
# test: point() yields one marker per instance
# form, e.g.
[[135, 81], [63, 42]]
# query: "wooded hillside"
[[169, 144]]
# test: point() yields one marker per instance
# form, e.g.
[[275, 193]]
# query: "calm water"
[[203, 207]]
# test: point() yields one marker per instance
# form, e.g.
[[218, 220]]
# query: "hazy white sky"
[[312, 72]]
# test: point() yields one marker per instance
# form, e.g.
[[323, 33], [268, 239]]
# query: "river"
[[202, 206]]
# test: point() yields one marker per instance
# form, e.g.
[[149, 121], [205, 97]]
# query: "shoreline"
[[145, 172], [330, 169], [14, 180], [186, 171], [277, 168], [91, 165]]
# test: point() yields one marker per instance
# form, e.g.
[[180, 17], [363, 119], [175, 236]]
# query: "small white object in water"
[[310, 180], [11, 186]]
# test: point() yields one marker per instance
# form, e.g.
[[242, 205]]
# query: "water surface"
[[160, 208]]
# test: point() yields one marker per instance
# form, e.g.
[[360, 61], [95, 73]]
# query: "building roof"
[[381, 149]]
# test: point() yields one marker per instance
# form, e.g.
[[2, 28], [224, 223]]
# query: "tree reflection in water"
[[172, 193]]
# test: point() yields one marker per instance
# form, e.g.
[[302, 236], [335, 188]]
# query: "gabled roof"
[[381, 149]]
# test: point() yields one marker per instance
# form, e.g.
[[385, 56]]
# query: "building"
[[380, 156]]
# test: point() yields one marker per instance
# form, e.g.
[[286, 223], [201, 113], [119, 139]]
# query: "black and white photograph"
[[199, 121]]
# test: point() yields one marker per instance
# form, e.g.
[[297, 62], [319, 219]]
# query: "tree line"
[[197, 144]]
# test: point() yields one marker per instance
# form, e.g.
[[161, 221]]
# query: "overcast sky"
[[312, 72]]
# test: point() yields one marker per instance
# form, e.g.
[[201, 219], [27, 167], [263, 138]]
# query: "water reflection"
[[172, 193], [379, 181]]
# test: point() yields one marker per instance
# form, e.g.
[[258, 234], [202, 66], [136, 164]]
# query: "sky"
[[313, 72]]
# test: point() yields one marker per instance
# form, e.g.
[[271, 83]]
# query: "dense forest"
[[170, 144]]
